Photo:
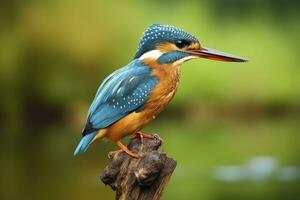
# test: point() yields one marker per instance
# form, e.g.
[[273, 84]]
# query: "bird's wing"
[[124, 91]]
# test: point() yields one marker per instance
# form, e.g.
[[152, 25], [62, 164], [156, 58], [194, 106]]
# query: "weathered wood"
[[139, 179]]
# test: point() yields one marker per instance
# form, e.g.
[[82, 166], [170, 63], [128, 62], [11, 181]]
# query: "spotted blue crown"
[[159, 33]]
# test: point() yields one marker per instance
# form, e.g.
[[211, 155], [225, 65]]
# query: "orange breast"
[[168, 75], [162, 94]]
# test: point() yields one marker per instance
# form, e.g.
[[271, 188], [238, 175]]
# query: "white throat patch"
[[153, 54]]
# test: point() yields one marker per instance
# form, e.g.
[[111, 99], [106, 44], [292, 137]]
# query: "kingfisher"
[[135, 94]]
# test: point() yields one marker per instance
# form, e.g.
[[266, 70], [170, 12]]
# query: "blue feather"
[[124, 91], [84, 143], [171, 57]]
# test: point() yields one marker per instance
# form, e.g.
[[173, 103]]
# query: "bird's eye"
[[182, 44]]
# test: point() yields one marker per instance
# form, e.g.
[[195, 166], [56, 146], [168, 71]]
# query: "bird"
[[134, 95]]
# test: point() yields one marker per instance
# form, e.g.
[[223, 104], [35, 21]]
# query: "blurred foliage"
[[54, 54]]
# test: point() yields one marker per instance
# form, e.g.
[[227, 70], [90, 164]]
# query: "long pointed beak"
[[215, 55]]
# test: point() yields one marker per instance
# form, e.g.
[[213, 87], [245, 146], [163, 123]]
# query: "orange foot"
[[142, 135], [122, 148]]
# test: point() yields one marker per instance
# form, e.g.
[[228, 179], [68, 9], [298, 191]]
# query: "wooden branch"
[[139, 179]]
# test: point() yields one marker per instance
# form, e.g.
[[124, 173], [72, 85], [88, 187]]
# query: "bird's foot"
[[123, 148], [112, 153], [142, 135]]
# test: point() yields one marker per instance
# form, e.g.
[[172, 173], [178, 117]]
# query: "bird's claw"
[[142, 135], [156, 136], [111, 154]]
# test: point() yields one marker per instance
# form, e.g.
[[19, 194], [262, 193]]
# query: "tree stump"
[[144, 178]]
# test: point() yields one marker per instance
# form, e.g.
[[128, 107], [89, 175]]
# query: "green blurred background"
[[233, 128]]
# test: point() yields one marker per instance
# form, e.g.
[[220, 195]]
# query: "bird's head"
[[167, 44]]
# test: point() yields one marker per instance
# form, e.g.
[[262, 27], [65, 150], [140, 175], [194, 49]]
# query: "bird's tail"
[[84, 143]]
